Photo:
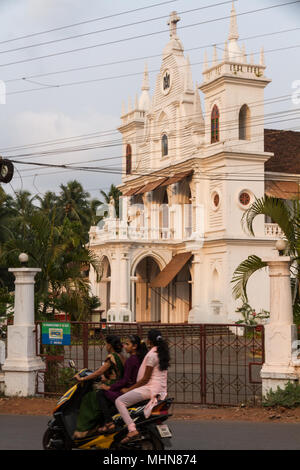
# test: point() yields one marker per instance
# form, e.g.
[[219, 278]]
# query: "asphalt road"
[[25, 433]]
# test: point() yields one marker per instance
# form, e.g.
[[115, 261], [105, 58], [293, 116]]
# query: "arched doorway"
[[147, 301]]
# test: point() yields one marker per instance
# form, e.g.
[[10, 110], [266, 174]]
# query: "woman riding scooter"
[[112, 370]]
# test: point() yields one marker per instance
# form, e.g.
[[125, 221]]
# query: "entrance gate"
[[211, 364]]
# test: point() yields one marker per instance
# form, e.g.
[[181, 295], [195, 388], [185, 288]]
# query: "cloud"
[[31, 127], [55, 8]]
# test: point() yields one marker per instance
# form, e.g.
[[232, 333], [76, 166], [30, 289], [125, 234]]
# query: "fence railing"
[[210, 363]]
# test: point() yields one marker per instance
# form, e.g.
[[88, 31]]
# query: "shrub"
[[288, 396], [250, 316]]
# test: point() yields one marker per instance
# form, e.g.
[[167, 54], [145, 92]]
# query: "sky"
[[46, 106]]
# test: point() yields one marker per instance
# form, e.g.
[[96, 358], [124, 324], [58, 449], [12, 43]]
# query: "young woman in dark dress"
[[108, 394]]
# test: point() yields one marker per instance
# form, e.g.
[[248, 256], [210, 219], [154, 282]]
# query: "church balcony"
[[119, 231], [273, 230]]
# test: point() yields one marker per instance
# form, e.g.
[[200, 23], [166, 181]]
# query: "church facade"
[[189, 173]]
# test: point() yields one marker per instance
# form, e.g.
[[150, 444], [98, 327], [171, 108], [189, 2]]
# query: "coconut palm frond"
[[242, 274], [275, 208]]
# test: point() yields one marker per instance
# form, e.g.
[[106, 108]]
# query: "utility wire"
[[92, 20], [113, 131], [119, 172], [117, 41], [127, 75], [123, 61], [224, 126], [112, 28]]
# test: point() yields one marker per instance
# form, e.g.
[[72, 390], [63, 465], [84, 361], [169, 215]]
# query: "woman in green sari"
[[111, 371]]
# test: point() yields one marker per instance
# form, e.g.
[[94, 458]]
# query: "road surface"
[[25, 433]]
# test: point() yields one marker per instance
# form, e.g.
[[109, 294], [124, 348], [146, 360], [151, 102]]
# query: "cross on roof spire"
[[172, 23]]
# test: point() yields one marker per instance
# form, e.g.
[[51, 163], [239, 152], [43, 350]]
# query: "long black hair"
[[115, 342], [157, 340], [141, 349]]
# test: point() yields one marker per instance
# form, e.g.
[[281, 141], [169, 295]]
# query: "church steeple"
[[145, 100], [234, 51], [233, 30], [234, 58]]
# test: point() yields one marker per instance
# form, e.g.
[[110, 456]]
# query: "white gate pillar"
[[125, 313], [22, 363], [197, 314], [280, 332]]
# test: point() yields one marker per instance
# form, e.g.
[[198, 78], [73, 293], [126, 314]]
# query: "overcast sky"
[[35, 113]]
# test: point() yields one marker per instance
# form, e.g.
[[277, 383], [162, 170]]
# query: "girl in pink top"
[[151, 381]]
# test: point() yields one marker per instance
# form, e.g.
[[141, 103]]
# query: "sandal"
[[130, 437], [107, 428], [80, 434]]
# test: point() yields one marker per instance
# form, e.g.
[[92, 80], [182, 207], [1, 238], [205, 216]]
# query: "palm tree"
[[59, 252], [73, 201], [287, 215], [48, 202], [23, 207]]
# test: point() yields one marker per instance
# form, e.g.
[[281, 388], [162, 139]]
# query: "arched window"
[[164, 145], [244, 123], [128, 159], [215, 117]]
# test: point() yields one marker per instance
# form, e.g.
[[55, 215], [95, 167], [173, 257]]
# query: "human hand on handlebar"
[[104, 387], [78, 378]]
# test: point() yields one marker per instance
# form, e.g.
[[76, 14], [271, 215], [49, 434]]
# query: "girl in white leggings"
[[151, 381]]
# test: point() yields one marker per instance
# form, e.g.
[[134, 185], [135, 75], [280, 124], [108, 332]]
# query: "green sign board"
[[56, 333]]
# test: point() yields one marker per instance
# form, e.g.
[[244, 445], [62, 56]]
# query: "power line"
[[268, 101], [119, 164], [92, 20], [120, 172], [143, 35], [224, 125], [76, 36], [123, 61], [94, 80]]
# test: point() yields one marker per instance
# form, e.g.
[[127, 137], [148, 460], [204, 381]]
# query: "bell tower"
[[233, 154], [233, 88]]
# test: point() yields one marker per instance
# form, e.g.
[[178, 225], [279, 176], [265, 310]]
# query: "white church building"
[[189, 173]]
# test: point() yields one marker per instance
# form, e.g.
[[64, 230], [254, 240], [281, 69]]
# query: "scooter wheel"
[[49, 439]]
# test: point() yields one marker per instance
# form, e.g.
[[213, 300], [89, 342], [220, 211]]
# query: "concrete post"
[[197, 314], [280, 332], [112, 314], [125, 313], [22, 363]]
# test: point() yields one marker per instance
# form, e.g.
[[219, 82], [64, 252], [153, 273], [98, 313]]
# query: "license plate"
[[164, 430]]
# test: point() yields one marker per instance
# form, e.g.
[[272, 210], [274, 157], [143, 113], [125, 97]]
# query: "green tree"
[[58, 248]]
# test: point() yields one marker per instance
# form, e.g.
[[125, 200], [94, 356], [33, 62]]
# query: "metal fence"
[[212, 364]]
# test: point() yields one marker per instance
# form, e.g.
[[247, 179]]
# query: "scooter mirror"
[[72, 364]]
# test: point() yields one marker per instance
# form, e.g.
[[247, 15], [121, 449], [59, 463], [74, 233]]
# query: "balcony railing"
[[273, 230], [114, 229]]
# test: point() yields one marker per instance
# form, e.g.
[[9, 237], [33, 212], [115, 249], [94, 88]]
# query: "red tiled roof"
[[286, 148]]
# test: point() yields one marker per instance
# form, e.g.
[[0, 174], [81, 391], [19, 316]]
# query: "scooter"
[[153, 434]]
